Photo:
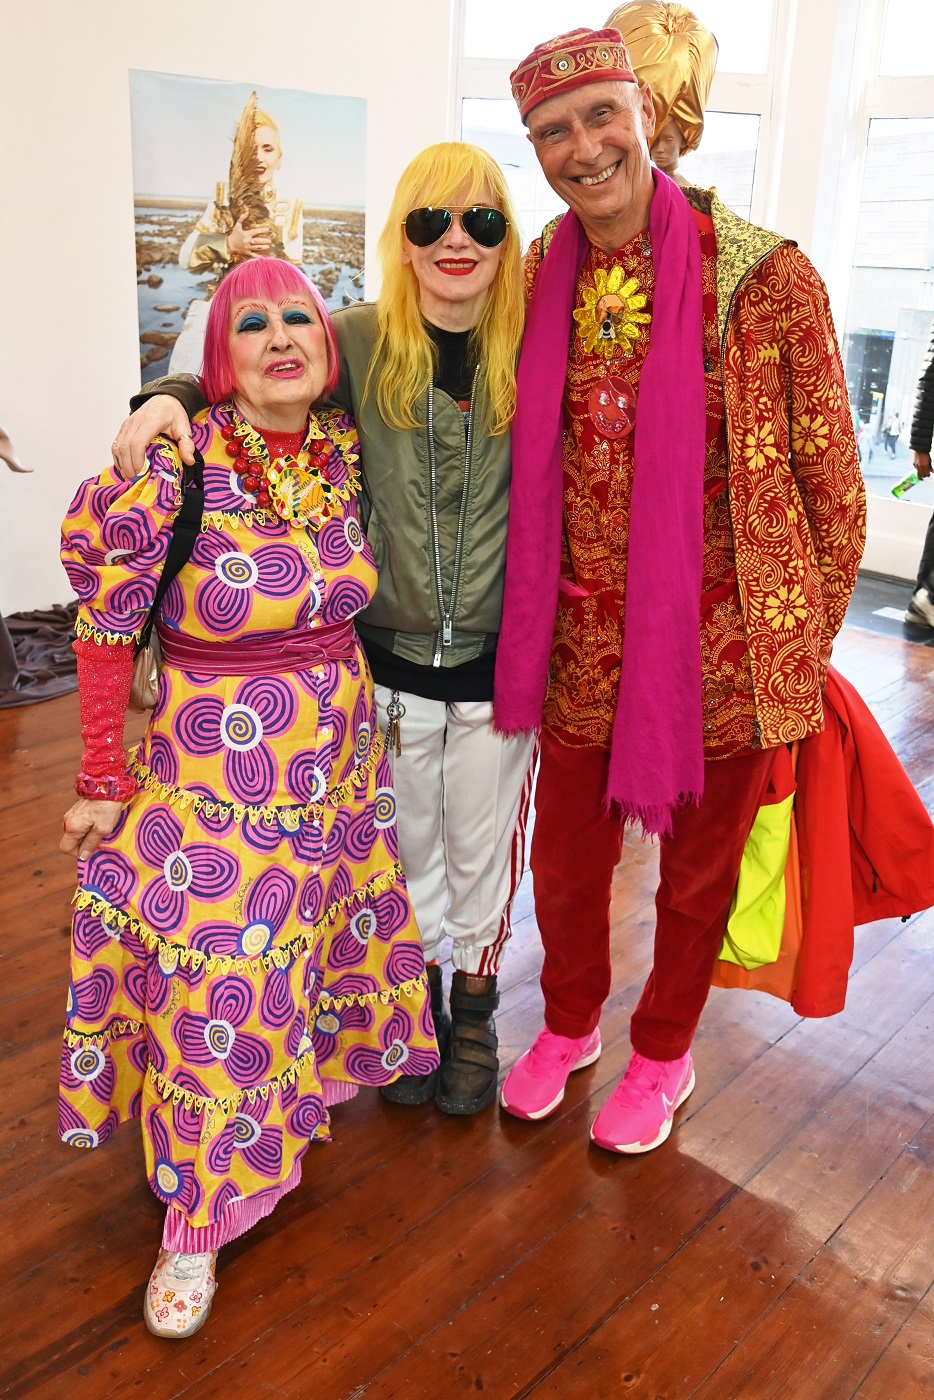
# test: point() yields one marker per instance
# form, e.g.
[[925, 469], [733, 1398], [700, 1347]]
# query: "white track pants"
[[462, 797]]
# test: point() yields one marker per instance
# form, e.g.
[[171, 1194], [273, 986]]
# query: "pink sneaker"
[[637, 1115], [534, 1086]]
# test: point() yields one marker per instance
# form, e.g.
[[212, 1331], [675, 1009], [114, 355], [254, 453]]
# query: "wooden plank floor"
[[781, 1244]]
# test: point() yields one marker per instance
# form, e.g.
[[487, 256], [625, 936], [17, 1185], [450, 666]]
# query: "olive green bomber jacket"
[[405, 615]]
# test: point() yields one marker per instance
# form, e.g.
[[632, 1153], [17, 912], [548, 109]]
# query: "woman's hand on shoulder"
[[160, 415], [86, 824]]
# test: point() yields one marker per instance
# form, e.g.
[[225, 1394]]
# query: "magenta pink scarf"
[[656, 755]]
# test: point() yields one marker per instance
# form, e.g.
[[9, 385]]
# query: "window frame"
[[814, 116], [755, 94]]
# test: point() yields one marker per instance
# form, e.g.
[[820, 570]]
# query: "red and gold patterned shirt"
[[610, 339]]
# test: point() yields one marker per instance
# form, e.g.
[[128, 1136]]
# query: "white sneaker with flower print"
[[179, 1293]]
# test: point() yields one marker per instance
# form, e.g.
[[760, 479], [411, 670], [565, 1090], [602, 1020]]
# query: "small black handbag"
[[145, 686]]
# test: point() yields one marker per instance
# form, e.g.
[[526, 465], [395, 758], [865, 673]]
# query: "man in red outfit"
[[686, 520]]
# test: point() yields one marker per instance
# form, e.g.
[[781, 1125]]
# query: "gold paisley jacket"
[[796, 495]]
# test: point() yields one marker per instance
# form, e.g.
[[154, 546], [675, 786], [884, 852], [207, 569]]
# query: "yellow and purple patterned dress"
[[245, 931]]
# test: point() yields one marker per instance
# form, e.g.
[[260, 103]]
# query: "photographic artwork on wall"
[[227, 171]]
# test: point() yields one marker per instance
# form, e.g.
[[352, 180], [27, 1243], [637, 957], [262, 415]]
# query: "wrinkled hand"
[[86, 825], [160, 414], [923, 465], [248, 242]]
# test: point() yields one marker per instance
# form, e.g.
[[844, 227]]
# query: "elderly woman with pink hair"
[[243, 951]]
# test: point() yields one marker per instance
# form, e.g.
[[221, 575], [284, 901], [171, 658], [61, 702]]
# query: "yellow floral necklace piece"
[[299, 489], [611, 316]]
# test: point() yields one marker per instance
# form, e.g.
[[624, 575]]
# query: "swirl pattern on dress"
[[395, 1054], [90, 934], [162, 758], [260, 838], [250, 774], [273, 700], [346, 597], [224, 610], [215, 939], [281, 571], [196, 726], [305, 778], [110, 875], [92, 995], [202, 982], [391, 910], [83, 579], [307, 1116], [236, 570], [241, 728], [277, 1004], [173, 1182], [271, 897]]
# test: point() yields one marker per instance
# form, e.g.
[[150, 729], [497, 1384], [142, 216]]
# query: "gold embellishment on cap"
[[594, 55]]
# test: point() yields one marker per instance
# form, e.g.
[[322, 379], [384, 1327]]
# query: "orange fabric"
[[777, 978], [867, 842], [866, 852]]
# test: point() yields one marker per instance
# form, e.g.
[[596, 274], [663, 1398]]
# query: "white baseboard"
[[896, 531]]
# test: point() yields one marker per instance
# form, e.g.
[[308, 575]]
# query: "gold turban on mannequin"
[[672, 52]]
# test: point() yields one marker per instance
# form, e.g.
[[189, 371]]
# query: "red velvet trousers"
[[575, 846]]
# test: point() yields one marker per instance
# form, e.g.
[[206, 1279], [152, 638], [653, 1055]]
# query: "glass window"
[[743, 29], [726, 158], [890, 310], [494, 29], [494, 124], [908, 39]]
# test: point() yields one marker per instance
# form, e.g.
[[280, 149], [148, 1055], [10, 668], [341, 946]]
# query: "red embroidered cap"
[[570, 61]]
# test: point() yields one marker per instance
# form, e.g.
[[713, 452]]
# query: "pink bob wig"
[[272, 279]]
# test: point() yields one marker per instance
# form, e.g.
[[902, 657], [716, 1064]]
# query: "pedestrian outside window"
[[890, 311]]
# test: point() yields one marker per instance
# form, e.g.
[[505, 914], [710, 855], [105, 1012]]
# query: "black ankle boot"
[[419, 1088], [468, 1071]]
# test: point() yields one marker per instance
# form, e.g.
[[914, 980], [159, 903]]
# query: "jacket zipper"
[[446, 636], [729, 503]]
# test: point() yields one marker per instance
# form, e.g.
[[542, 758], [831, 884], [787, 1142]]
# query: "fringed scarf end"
[[655, 818]]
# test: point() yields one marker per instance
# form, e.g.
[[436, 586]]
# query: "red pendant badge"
[[612, 406]]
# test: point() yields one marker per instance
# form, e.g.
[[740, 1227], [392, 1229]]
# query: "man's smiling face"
[[592, 145]]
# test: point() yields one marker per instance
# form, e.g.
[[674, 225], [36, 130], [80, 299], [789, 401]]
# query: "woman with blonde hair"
[[247, 218], [428, 372]]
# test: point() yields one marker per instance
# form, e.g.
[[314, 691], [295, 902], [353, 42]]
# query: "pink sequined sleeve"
[[104, 677], [114, 540]]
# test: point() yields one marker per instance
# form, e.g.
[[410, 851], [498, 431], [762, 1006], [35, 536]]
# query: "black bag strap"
[[185, 531]]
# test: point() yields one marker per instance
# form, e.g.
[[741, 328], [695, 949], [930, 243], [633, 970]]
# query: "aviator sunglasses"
[[485, 226]]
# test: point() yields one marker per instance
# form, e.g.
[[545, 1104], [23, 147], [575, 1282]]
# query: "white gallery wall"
[[69, 352]]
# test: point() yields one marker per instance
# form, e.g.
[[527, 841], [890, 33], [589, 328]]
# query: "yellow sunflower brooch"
[[612, 313]]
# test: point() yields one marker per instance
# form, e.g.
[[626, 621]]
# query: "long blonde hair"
[[438, 176]]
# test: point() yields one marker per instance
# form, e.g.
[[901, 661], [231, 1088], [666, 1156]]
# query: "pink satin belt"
[[268, 654]]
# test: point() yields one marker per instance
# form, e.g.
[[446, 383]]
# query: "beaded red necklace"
[[295, 487]]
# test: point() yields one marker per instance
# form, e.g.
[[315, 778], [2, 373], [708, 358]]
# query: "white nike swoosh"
[[669, 1103]]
